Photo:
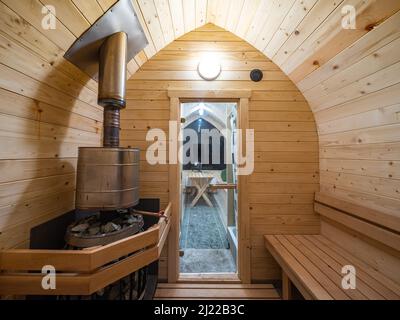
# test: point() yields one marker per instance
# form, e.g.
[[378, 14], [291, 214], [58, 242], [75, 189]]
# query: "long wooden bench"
[[351, 235]]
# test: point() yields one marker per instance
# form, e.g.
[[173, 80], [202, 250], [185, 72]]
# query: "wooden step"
[[201, 291]]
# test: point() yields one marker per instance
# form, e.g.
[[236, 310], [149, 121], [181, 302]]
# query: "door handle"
[[221, 186]]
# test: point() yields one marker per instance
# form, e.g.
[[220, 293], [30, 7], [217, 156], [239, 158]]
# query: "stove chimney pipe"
[[108, 177], [112, 85]]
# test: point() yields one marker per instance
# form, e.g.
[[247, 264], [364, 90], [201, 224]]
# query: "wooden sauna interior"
[[326, 120]]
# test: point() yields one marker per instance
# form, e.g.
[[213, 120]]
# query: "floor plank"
[[199, 291]]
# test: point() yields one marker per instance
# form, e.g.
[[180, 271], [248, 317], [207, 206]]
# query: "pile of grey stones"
[[93, 226]]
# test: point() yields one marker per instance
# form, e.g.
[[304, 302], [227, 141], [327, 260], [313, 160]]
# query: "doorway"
[[208, 211], [243, 259]]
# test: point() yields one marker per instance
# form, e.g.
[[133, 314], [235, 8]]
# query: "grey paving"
[[202, 227], [204, 240], [207, 261]]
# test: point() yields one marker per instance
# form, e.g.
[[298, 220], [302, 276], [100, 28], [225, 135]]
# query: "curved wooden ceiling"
[[300, 36]]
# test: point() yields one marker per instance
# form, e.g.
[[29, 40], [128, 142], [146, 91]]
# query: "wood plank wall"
[[348, 77], [48, 108], [356, 101], [286, 171]]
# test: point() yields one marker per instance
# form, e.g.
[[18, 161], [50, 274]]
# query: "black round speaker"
[[256, 75]]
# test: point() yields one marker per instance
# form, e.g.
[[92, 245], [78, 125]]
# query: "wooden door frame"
[[244, 246]]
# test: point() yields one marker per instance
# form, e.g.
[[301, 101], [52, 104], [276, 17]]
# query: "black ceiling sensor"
[[256, 75]]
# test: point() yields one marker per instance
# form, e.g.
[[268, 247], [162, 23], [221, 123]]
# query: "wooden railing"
[[82, 272]]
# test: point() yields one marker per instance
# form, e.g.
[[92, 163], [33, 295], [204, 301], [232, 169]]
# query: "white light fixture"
[[201, 109], [209, 67]]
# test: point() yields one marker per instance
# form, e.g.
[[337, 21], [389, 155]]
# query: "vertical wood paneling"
[[260, 19], [177, 17], [189, 14], [279, 10], [152, 22], [201, 12], [286, 175], [164, 14], [246, 17]]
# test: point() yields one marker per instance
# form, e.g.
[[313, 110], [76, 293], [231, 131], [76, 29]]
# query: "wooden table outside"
[[201, 181]]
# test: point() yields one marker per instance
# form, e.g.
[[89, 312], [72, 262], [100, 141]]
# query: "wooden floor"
[[191, 291]]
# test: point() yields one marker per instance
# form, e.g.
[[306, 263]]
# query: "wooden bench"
[[351, 235]]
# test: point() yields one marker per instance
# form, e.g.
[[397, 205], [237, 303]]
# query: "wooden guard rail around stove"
[[82, 272]]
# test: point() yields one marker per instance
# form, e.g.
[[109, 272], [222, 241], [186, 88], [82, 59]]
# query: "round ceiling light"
[[209, 68]]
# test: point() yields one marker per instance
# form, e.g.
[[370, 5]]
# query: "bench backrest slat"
[[382, 235], [373, 224], [374, 216]]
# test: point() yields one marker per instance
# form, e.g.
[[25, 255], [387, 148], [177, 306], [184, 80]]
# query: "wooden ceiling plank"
[[141, 58], [31, 11], [375, 135], [316, 17], [189, 15], [263, 12], [295, 16], [22, 32], [22, 60], [18, 82], [235, 10], [153, 22], [246, 16], [379, 117], [378, 60], [222, 13], [69, 15], [90, 9], [176, 10], [382, 79], [377, 38], [212, 11], [330, 39], [201, 13], [279, 9], [372, 101], [164, 14], [106, 4]]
